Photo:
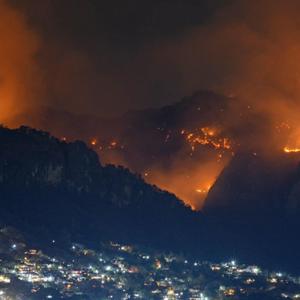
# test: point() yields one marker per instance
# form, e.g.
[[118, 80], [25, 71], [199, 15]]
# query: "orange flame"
[[207, 136], [204, 190], [291, 150]]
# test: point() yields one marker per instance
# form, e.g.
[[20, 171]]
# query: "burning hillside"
[[188, 171], [207, 136], [181, 148]]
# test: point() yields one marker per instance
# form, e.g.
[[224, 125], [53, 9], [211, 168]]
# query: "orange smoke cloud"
[[18, 69], [250, 50]]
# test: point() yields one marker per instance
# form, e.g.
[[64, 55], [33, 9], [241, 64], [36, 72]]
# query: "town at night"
[[116, 271]]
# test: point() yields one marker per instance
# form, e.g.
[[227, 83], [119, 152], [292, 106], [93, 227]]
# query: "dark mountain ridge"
[[140, 134], [205, 106], [52, 189]]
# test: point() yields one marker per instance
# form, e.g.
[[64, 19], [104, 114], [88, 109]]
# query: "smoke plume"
[[19, 79], [250, 49]]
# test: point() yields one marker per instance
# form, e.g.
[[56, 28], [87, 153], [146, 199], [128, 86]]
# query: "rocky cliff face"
[[32, 157], [255, 184]]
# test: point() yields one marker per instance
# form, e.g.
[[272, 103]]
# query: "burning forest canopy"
[[245, 51]]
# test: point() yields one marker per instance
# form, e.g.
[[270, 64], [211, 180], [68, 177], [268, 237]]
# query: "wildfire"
[[104, 145], [204, 190], [292, 136], [184, 176], [291, 150], [207, 136]]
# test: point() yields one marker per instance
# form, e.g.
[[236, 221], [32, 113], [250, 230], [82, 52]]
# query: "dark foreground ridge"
[[53, 188]]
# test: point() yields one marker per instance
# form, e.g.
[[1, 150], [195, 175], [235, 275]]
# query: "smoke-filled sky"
[[105, 57], [95, 56]]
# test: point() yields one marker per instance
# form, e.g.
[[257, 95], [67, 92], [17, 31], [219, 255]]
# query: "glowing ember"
[[283, 126], [113, 145], [204, 190], [93, 142]]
